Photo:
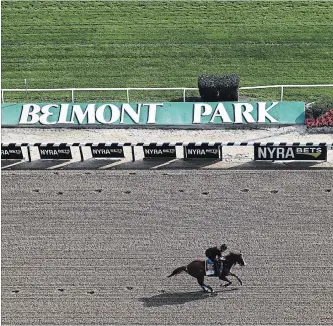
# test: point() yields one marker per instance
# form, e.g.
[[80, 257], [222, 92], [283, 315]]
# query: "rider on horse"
[[214, 254]]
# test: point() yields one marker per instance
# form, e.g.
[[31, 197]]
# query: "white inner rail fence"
[[127, 90]]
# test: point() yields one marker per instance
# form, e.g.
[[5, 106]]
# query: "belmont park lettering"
[[149, 113], [33, 113], [241, 110]]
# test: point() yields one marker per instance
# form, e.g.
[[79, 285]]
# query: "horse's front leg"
[[239, 280], [224, 278]]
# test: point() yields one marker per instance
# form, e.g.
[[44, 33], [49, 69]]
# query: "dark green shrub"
[[214, 88], [318, 108]]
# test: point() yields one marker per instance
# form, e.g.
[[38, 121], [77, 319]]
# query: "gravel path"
[[95, 247]]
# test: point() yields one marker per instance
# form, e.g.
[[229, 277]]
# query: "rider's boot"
[[217, 268]]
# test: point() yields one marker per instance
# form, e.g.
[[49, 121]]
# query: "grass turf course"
[[166, 44]]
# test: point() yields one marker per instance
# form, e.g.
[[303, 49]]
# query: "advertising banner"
[[209, 152], [107, 151], [11, 152], [290, 153], [51, 152], [151, 114], [159, 151]]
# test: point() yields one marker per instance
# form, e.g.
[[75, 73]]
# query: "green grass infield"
[[64, 44]]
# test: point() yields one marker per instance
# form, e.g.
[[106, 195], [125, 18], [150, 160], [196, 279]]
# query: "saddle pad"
[[209, 268]]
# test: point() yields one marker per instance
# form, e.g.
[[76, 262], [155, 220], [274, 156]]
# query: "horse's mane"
[[231, 255]]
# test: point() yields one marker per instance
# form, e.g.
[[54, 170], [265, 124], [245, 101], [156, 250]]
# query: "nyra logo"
[[201, 151], [311, 151], [158, 151], [211, 151], [54, 152], [107, 151], [287, 153], [153, 151], [196, 151], [169, 150], [8, 152], [64, 151]]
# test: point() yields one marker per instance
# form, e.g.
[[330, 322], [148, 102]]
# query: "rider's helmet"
[[223, 247]]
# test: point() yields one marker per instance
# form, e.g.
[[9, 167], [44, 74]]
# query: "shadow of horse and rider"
[[177, 298], [198, 270]]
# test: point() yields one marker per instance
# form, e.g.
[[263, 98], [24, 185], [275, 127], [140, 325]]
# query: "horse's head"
[[235, 258]]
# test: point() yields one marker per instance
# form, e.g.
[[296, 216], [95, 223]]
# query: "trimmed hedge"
[[213, 88], [319, 108]]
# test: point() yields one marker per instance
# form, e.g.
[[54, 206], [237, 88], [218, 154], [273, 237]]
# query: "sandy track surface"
[[56, 135], [95, 247]]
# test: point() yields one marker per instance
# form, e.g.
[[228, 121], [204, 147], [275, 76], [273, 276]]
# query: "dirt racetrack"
[[95, 247]]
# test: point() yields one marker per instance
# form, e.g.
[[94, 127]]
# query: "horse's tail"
[[178, 271]]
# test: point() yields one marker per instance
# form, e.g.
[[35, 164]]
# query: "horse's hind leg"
[[205, 287]]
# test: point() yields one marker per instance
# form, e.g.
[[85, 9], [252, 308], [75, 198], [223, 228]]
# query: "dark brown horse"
[[197, 269]]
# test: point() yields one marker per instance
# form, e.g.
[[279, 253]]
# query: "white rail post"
[[281, 93], [127, 94], [72, 95], [184, 95], [2, 98]]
